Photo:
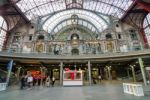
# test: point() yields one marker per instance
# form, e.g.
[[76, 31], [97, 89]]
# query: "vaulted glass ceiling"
[[96, 23], [146, 26], [34, 8], [3, 29]]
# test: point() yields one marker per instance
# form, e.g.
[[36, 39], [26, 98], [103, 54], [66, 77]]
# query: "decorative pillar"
[[61, 73], [106, 73], [133, 73], [109, 72], [89, 71], [128, 73], [41, 68], [142, 70]]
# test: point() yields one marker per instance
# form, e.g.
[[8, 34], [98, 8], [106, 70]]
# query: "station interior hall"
[[71, 43]]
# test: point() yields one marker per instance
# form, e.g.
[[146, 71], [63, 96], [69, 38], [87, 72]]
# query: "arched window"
[[3, 29]]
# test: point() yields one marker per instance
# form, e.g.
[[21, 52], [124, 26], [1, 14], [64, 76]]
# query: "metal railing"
[[48, 55]]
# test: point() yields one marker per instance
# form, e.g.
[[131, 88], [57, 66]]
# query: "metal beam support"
[[142, 70], [146, 44], [128, 11], [143, 5], [20, 12]]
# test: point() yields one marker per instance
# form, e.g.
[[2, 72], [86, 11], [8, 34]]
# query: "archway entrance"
[[75, 51]]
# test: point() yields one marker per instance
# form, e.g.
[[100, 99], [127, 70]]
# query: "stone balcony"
[[46, 56]]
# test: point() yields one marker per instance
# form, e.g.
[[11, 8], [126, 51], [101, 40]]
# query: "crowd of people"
[[28, 81]]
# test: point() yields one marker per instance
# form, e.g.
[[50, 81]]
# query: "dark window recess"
[[132, 31], [30, 38], [108, 36], [40, 37], [134, 36], [136, 48], [117, 25], [119, 36]]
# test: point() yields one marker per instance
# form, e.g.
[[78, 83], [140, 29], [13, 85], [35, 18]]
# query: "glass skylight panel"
[[147, 32], [3, 25], [112, 10], [50, 6], [64, 24], [59, 27], [41, 5], [43, 9], [146, 26], [96, 20], [93, 29], [145, 23], [81, 22], [93, 3], [56, 30], [148, 18], [89, 26], [1, 21], [69, 22]]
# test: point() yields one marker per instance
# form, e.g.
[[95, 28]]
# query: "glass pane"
[[89, 17], [146, 25], [3, 28], [50, 6]]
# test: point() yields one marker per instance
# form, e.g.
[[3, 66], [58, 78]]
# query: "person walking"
[[48, 81], [22, 82], [100, 78], [29, 81], [53, 81], [94, 80]]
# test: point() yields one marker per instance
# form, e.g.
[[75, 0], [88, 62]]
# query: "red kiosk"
[[72, 77]]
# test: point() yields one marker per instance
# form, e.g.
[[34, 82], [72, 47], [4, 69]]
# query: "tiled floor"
[[97, 92]]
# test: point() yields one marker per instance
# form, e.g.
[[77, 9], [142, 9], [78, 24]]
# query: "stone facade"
[[118, 37]]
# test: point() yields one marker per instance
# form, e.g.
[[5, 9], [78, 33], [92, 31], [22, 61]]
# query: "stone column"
[[142, 70], [89, 71], [106, 73], [109, 73], [41, 69], [128, 72], [61, 73], [133, 73]]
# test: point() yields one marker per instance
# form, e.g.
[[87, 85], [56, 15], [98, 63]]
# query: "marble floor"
[[95, 92]]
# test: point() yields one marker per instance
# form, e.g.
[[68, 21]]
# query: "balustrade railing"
[[48, 55]]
